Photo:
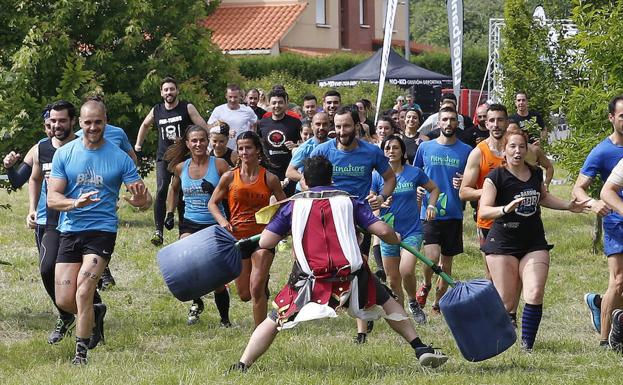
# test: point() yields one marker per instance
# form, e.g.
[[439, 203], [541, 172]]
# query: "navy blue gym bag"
[[203, 261]]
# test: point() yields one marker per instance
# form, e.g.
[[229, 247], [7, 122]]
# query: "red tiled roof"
[[251, 27]]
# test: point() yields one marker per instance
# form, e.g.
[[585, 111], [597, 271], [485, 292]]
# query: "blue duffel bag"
[[478, 320], [198, 264]]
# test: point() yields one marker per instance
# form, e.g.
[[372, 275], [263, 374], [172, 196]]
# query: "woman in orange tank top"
[[247, 188]]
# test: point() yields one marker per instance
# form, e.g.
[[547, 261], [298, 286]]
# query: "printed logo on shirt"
[[530, 203], [276, 138], [90, 178], [447, 161], [404, 187], [349, 170]]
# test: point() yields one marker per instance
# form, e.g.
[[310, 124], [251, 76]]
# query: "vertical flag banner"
[[390, 14], [455, 31]]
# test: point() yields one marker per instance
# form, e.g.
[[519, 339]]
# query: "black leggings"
[[163, 180]]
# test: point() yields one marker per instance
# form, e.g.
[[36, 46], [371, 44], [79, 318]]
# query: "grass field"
[[148, 341]]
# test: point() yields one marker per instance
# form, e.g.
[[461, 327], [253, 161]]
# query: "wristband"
[[504, 210], [75, 204], [432, 207]]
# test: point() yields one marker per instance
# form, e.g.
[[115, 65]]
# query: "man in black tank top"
[[171, 117]]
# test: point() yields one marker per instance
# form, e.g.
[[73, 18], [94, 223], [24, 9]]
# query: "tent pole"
[[482, 87]]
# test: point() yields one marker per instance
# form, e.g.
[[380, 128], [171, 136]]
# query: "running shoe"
[[239, 367], [107, 280], [81, 354], [422, 294], [525, 348], [429, 356], [361, 338], [436, 310], [98, 329], [157, 239], [417, 312], [195, 309], [62, 328], [225, 323], [615, 337], [589, 300]]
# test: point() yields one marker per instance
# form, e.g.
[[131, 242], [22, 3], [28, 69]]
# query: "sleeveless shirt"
[[48, 216], [245, 200], [171, 125], [195, 198], [488, 162]]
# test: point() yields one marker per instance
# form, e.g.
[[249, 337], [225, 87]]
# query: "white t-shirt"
[[616, 176], [239, 120]]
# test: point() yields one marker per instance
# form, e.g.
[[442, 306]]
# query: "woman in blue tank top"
[[197, 177]]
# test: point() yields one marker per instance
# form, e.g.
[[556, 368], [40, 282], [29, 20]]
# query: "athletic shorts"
[[613, 238], [482, 235], [73, 246], [447, 234], [189, 227], [389, 250]]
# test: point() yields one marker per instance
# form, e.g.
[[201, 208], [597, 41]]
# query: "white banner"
[[390, 14], [455, 31]]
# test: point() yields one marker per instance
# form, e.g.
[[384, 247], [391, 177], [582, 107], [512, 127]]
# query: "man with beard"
[[280, 133], [320, 126], [253, 96], [487, 156], [84, 184], [353, 162], [525, 115], [171, 117], [443, 161]]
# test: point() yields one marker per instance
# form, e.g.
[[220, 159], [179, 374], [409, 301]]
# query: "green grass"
[[149, 342]]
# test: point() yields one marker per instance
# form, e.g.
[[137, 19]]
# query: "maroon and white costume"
[[329, 271]]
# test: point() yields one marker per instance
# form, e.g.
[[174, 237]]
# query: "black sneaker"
[[107, 280], [361, 338], [429, 356], [225, 323], [615, 337], [195, 309], [157, 239], [417, 312], [81, 354], [98, 329], [62, 328], [239, 367]]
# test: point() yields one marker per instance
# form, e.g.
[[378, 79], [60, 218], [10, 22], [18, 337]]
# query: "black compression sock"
[[376, 251], [222, 304], [96, 298], [417, 343]]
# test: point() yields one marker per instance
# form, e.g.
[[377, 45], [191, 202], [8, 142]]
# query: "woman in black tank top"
[[516, 251], [219, 135]]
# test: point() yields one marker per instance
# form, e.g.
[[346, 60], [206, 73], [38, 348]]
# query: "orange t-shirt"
[[244, 201], [488, 162]]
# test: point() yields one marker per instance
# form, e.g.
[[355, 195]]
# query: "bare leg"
[[405, 327], [65, 283], [261, 339], [261, 260], [432, 252], [407, 272], [612, 299], [533, 270], [90, 272], [442, 286], [242, 282], [391, 264], [505, 275]]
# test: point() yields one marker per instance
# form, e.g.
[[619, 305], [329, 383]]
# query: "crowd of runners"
[[403, 178]]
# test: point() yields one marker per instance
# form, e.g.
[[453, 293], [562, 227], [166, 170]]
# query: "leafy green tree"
[[119, 49]]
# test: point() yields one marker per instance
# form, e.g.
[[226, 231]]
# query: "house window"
[[321, 12], [363, 15]]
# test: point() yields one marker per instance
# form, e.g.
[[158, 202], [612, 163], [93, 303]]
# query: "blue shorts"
[[389, 250], [613, 238]]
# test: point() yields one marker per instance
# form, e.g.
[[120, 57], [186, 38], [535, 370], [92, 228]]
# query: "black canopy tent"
[[400, 72]]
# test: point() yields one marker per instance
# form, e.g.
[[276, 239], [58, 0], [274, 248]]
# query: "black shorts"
[[189, 227], [74, 245], [447, 234], [364, 247], [482, 235]]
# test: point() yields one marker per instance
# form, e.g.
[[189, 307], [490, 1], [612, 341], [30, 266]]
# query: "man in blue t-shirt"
[[600, 161], [320, 127], [353, 162], [443, 160], [84, 184]]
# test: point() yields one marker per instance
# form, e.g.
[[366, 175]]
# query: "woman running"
[[412, 137], [247, 188], [196, 177], [516, 251], [398, 212], [219, 135]]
